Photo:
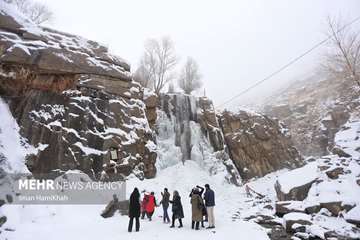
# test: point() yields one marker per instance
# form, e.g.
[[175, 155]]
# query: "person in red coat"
[[150, 206], [144, 203]]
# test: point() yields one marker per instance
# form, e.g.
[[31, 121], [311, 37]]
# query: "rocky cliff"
[[74, 101], [258, 144], [315, 109], [254, 144]]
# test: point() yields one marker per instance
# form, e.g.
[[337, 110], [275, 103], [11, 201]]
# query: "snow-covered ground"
[[232, 203], [12, 146], [85, 222]]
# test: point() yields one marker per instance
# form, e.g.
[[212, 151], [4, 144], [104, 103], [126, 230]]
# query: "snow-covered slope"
[[314, 109], [237, 213], [12, 147], [85, 222], [323, 196]]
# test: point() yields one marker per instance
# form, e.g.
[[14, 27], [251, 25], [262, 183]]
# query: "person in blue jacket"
[[209, 198]]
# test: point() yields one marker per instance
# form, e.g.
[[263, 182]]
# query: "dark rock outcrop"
[[3, 220], [334, 207], [338, 151], [151, 103], [115, 205], [285, 207], [209, 123], [298, 193], [257, 144], [334, 173], [300, 219]]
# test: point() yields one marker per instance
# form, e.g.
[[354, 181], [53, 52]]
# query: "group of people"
[[202, 207]]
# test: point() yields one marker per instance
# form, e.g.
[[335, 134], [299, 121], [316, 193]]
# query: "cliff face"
[[315, 109], [74, 101], [258, 144], [249, 144]]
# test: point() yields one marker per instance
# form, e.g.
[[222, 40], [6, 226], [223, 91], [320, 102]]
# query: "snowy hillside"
[[237, 213], [85, 222], [70, 111], [12, 147], [319, 200]]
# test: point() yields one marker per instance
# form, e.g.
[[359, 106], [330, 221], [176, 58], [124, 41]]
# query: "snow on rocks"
[[55, 51], [13, 147], [42, 220], [285, 207], [353, 216], [295, 218], [330, 204], [295, 184]]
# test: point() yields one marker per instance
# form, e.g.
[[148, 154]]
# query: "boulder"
[[353, 216], [334, 207], [358, 182], [285, 207], [340, 152], [312, 209], [334, 173], [9, 198], [298, 193], [115, 205], [296, 227], [3, 220], [300, 219], [295, 184], [2, 202]]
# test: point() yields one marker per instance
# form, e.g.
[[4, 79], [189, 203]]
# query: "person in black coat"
[[177, 209], [134, 209]]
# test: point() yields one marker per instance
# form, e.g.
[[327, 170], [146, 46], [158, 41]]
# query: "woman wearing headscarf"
[[177, 209], [197, 206], [134, 210]]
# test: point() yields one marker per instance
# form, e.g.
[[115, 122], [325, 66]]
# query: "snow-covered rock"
[[353, 216], [73, 101], [295, 184], [293, 218]]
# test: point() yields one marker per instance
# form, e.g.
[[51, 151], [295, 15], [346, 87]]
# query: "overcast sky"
[[236, 42]]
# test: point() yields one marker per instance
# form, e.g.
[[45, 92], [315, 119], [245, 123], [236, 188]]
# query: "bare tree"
[[158, 62], [36, 11], [190, 78], [343, 59], [143, 76]]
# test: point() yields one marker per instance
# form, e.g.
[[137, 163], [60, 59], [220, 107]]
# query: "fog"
[[236, 43]]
